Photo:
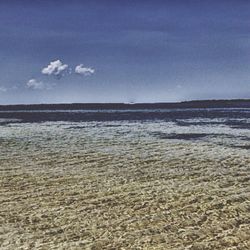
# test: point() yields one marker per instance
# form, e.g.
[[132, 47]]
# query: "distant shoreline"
[[233, 103]]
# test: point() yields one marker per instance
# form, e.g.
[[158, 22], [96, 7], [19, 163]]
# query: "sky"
[[123, 51]]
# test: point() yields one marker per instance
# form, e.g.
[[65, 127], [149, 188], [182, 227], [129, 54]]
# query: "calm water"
[[107, 179], [222, 126], [228, 116]]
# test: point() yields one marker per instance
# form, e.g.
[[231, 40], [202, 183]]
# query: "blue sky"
[[140, 51]]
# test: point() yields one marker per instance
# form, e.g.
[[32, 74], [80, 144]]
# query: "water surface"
[[122, 179]]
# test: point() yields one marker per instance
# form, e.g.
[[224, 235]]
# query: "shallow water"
[[125, 180]]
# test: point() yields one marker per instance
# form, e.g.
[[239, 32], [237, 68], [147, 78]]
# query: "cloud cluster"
[[58, 69], [55, 68], [38, 85], [81, 70]]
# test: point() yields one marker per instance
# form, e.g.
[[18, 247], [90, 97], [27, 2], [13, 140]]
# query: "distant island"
[[233, 103]]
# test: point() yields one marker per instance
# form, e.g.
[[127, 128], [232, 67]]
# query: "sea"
[[125, 178]]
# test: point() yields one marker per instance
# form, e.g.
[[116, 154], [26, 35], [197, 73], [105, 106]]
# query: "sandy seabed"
[[122, 185]]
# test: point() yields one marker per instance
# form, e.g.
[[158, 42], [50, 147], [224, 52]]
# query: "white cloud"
[[80, 69], [37, 85], [3, 89], [55, 68]]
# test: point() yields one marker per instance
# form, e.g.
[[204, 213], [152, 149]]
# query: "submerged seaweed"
[[185, 136]]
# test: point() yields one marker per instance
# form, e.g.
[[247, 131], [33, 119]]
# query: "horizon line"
[[127, 103]]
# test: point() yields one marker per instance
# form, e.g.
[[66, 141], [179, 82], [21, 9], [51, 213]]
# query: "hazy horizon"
[[182, 101]]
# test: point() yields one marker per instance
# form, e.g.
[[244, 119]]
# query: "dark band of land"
[[235, 103]]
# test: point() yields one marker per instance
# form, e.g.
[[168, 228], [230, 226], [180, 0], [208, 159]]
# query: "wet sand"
[[124, 185]]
